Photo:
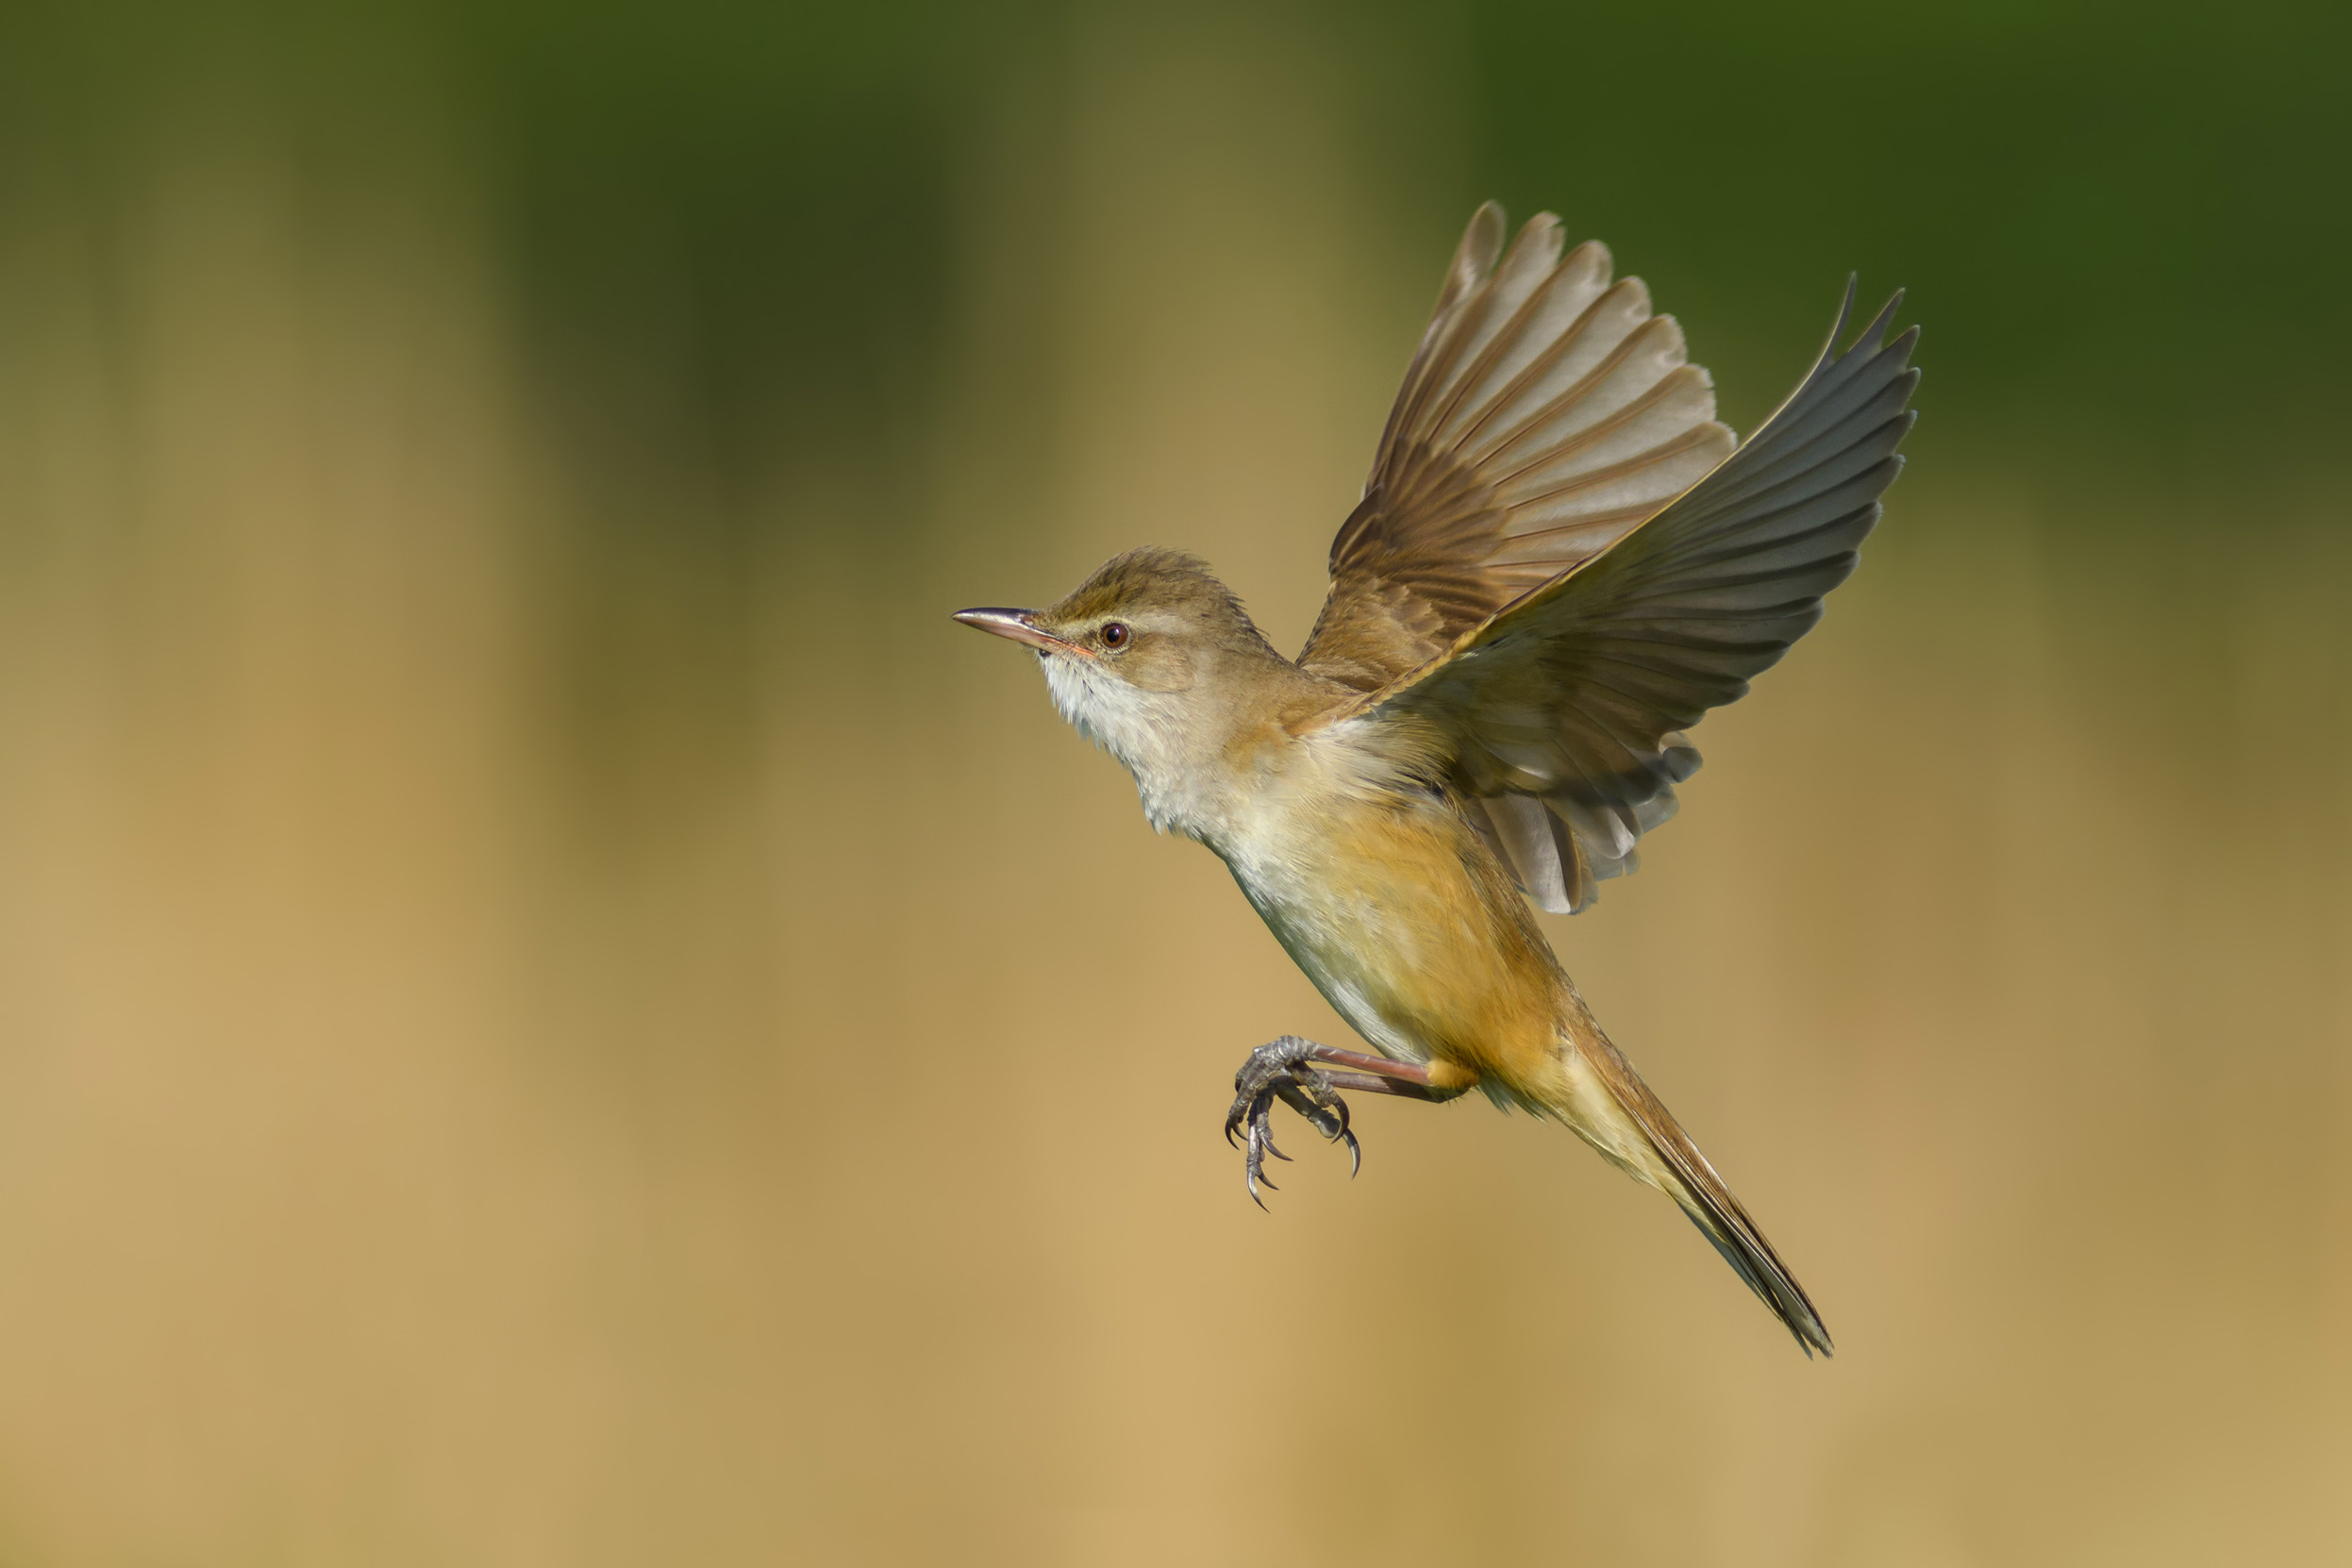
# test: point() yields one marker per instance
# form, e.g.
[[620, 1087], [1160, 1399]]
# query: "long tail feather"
[[1676, 1168]]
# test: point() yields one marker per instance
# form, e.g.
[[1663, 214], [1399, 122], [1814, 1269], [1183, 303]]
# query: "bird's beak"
[[1019, 624]]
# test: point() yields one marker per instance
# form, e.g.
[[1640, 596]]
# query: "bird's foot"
[[1284, 1070]]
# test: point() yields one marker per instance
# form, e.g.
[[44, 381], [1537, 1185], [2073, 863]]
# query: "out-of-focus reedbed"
[[554, 1009]]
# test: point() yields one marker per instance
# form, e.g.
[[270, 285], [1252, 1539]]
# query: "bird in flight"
[[1562, 560]]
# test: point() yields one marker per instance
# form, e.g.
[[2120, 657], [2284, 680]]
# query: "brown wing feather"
[[1545, 412], [1576, 694]]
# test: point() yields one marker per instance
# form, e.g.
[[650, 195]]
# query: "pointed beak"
[[1019, 624]]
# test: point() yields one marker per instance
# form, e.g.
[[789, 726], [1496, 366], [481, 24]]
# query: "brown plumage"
[[1561, 561]]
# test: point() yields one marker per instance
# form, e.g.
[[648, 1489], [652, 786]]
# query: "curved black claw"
[[1284, 1071]]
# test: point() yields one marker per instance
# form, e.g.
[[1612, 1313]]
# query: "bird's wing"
[[1559, 718], [1545, 413]]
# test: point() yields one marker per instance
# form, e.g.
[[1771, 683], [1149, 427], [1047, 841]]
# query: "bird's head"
[[1151, 658]]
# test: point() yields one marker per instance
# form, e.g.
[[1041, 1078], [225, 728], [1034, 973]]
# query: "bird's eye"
[[1115, 634]]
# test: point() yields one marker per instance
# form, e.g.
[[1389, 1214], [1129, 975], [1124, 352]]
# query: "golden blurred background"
[[554, 1009]]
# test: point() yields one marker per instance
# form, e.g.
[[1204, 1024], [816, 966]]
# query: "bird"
[[1561, 559]]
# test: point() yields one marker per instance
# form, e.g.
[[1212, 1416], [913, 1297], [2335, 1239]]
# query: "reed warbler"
[[1561, 559]]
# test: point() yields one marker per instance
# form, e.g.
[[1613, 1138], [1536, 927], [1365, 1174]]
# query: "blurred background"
[[554, 1009]]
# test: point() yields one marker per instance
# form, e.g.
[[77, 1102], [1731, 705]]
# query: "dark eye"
[[1115, 634]]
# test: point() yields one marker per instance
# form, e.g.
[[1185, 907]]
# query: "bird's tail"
[[1605, 1100]]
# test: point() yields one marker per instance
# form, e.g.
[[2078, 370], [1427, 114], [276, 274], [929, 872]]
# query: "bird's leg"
[[1288, 1070]]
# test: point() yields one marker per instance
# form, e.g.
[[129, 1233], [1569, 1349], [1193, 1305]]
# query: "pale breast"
[[1378, 901]]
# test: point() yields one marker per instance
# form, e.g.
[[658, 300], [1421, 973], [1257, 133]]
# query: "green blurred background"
[[554, 1009]]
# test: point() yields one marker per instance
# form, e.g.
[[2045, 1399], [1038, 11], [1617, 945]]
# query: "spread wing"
[[1545, 413], [1560, 715]]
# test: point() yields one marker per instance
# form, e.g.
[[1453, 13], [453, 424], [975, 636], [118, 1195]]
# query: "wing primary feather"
[[1584, 270], [1793, 449], [1542, 234], [1474, 258], [1549, 354], [1470, 287], [1832, 369], [1630, 294]]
